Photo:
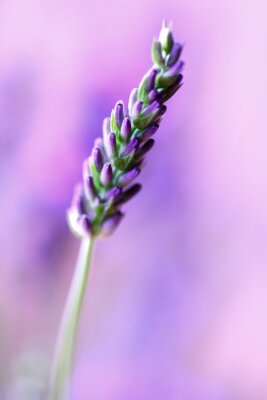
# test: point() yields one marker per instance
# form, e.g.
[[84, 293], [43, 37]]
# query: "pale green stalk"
[[61, 372]]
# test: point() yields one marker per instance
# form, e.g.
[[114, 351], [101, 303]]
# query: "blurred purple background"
[[177, 299]]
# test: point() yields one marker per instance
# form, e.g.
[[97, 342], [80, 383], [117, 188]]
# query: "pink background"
[[177, 299]]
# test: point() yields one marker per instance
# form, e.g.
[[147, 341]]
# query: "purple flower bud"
[[175, 70], [151, 108], [166, 79], [152, 95], [111, 145], [174, 56], [162, 111], [126, 129], [148, 132], [131, 146], [132, 99], [148, 116], [128, 177], [114, 193], [169, 92], [137, 109], [85, 224], [119, 112], [97, 158], [89, 188], [128, 194], [111, 223], [151, 79], [144, 149], [106, 174]]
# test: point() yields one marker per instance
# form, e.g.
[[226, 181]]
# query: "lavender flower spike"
[[118, 162]]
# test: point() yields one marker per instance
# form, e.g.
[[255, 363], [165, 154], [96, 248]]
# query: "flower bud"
[[85, 225], [111, 145], [148, 116], [169, 92], [89, 188], [144, 135], [97, 158], [132, 99], [166, 38], [119, 113], [151, 79], [131, 146], [152, 95], [128, 177], [144, 149], [137, 109], [157, 54], [114, 193], [111, 223], [174, 55], [128, 194], [151, 108], [106, 174], [126, 129], [167, 78]]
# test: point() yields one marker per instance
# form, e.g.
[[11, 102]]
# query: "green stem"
[[60, 377]]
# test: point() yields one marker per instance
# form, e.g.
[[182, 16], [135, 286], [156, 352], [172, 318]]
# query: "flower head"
[[118, 157]]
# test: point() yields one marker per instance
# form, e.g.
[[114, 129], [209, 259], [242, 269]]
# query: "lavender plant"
[[116, 160]]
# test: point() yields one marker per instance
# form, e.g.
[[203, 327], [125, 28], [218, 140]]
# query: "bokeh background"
[[177, 299]]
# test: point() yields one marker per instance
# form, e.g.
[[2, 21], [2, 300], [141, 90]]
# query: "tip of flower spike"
[[118, 157], [166, 37]]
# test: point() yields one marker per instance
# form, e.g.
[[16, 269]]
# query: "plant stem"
[[62, 365]]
